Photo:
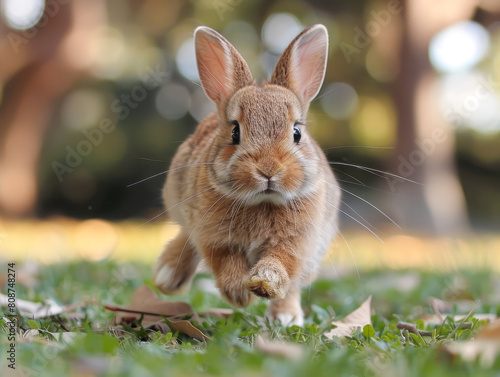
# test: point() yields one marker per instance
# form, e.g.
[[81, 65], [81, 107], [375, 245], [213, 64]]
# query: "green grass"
[[98, 351]]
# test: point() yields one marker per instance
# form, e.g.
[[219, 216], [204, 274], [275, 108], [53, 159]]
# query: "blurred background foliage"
[[84, 62]]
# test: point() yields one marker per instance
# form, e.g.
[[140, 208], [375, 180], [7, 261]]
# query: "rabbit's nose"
[[271, 180], [266, 175]]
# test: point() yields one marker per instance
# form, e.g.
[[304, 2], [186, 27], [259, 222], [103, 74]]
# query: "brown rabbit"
[[252, 191]]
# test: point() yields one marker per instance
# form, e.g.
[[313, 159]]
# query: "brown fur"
[[255, 244]]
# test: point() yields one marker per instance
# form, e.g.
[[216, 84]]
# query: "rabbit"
[[253, 193]]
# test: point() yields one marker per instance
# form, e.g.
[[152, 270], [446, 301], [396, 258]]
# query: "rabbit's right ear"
[[221, 68], [302, 66]]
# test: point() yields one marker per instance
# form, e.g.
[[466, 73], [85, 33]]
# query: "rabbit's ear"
[[302, 66], [221, 68]]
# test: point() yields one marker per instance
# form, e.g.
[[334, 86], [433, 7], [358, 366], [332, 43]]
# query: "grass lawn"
[[94, 349]]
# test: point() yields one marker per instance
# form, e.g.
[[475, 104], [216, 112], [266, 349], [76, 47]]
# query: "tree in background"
[[426, 140], [38, 66]]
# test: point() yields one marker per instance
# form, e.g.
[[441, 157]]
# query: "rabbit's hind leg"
[[176, 266], [288, 309]]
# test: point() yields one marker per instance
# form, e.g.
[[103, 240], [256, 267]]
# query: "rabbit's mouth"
[[266, 196], [269, 191]]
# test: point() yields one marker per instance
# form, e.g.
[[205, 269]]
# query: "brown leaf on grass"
[[218, 312], [145, 302], [486, 346], [186, 327], [358, 318], [491, 331], [289, 351]]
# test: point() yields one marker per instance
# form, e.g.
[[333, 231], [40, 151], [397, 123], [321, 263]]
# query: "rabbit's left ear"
[[221, 68], [302, 65]]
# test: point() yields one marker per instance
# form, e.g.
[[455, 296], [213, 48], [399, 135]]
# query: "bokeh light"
[[244, 35], [82, 109], [379, 68], [279, 30], [268, 62], [339, 100], [131, 43], [459, 47], [173, 101], [469, 99], [22, 14], [95, 239], [374, 124], [186, 60], [109, 54], [201, 105]]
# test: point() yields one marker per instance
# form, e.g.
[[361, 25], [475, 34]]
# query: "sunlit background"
[[96, 95]]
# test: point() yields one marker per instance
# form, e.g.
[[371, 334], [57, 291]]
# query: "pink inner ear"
[[309, 66], [213, 64]]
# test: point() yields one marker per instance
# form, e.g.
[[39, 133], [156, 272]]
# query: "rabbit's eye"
[[297, 134], [236, 132]]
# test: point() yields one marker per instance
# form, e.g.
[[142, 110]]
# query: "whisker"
[[305, 209], [353, 259], [328, 183], [372, 170], [324, 94], [363, 185], [357, 146], [357, 213], [345, 241], [351, 217], [185, 200], [177, 168], [371, 205], [232, 204], [201, 86], [197, 224], [233, 217], [151, 159], [348, 247]]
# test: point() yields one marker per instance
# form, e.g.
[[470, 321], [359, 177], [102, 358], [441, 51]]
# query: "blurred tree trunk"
[[39, 66], [425, 150]]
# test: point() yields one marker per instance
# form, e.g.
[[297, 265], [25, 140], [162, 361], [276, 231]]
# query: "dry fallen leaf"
[[486, 346], [491, 331], [439, 305], [289, 351], [437, 319], [358, 318], [146, 302], [186, 327], [34, 310], [31, 335]]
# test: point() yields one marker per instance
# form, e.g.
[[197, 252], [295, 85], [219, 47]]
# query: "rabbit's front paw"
[[236, 295], [268, 281]]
